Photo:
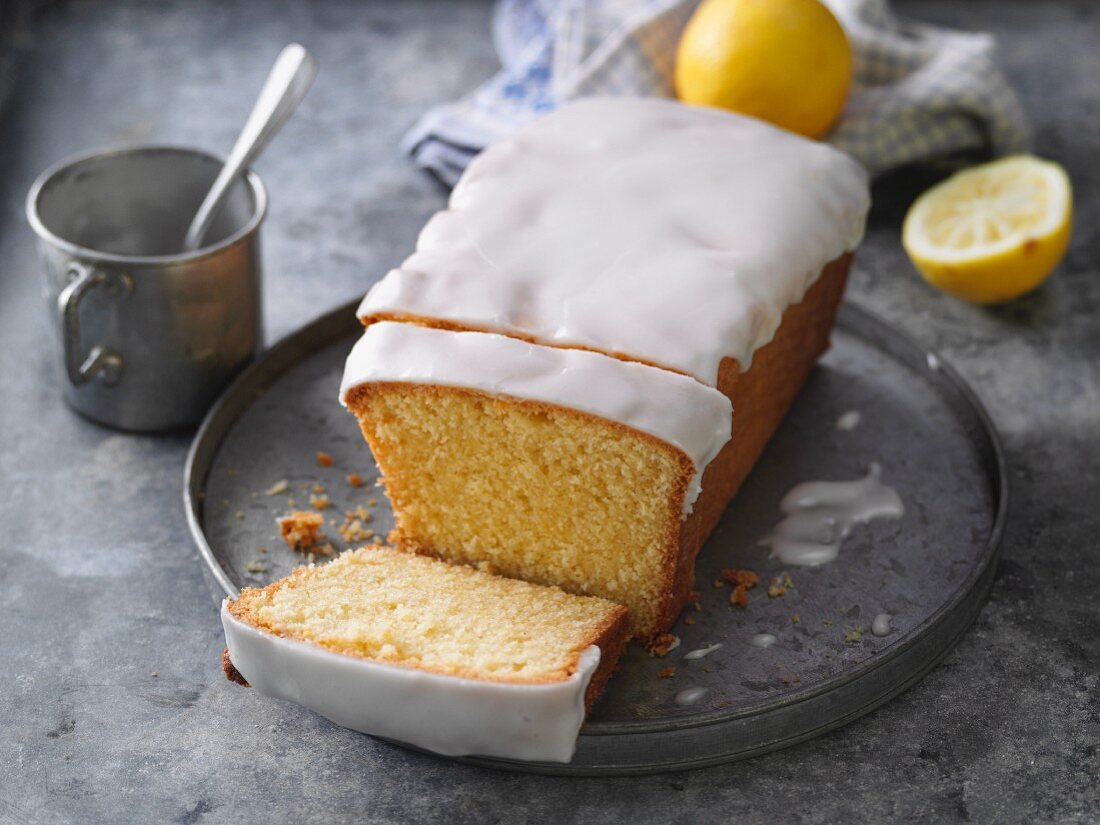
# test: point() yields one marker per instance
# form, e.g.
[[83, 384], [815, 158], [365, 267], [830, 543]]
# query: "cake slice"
[[444, 657]]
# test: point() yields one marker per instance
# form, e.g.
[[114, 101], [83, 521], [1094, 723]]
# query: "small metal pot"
[[148, 336]]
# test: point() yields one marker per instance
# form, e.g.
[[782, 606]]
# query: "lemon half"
[[992, 232]]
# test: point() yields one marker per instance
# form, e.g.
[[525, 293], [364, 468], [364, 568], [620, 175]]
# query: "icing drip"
[[689, 696], [849, 420], [763, 640], [672, 234], [702, 651], [881, 624], [672, 407], [821, 514]]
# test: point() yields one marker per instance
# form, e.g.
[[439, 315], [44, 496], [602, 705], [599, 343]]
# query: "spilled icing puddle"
[[763, 640], [849, 420], [821, 514], [701, 652], [689, 696]]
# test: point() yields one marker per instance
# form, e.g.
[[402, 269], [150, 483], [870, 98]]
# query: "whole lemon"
[[784, 61]]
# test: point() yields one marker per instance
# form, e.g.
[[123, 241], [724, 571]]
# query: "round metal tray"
[[930, 570]]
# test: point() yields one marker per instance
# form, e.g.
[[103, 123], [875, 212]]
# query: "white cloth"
[[919, 92]]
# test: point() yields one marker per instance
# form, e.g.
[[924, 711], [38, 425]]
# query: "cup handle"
[[100, 361]]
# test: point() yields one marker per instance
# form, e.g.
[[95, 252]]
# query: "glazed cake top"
[[645, 228]]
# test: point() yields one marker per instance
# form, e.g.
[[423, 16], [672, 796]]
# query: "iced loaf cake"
[[590, 347]]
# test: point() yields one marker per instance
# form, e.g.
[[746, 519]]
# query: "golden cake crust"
[[761, 397]]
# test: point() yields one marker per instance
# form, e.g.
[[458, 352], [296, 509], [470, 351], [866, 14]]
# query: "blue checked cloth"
[[919, 92]]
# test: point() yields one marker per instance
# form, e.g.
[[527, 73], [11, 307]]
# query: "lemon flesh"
[[784, 61], [992, 232]]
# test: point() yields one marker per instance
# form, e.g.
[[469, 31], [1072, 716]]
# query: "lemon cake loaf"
[[590, 347], [444, 657]]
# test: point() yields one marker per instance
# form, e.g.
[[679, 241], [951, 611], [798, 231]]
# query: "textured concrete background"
[[99, 583]]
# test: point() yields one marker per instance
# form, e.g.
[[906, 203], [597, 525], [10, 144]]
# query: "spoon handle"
[[286, 85]]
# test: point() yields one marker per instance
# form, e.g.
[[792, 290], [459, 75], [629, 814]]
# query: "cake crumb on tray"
[[663, 644], [277, 488], [301, 530]]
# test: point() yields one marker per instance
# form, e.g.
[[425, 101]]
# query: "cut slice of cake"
[[444, 657], [556, 466]]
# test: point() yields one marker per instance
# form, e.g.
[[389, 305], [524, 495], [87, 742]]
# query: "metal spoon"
[[286, 85]]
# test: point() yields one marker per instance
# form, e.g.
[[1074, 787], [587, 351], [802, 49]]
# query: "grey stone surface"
[[100, 586]]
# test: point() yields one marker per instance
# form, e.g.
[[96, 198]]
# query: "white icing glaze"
[[701, 652], [691, 695], [449, 715], [849, 420], [881, 624], [763, 640], [672, 234], [821, 514], [674, 408]]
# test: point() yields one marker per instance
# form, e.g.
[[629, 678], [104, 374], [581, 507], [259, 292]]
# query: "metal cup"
[[148, 336]]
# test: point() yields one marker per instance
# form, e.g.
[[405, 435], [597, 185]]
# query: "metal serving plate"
[[930, 570]]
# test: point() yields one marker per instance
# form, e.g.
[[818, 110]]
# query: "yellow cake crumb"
[[742, 581], [664, 643], [352, 530], [739, 578], [361, 513], [301, 530]]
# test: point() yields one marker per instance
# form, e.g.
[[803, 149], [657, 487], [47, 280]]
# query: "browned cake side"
[[761, 397]]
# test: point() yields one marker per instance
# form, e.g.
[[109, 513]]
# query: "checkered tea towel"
[[919, 92]]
